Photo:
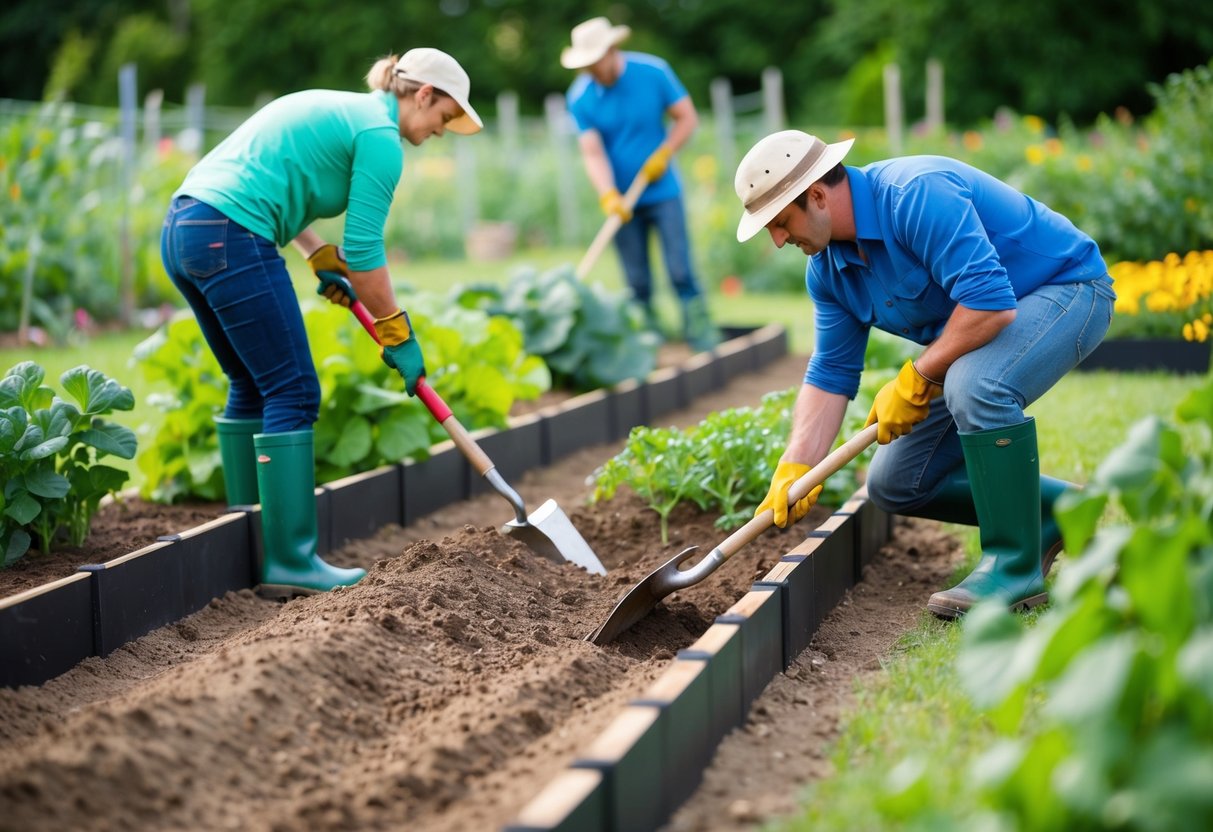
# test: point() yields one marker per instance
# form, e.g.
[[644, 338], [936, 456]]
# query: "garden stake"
[[548, 531], [668, 577], [612, 224]]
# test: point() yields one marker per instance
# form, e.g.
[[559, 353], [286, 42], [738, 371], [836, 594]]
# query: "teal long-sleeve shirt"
[[306, 156]]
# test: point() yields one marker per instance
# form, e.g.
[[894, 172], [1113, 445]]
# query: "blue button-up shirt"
[[936, 233]]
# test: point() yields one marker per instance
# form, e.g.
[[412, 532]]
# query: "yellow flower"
[[1191, 205], [1035, 124], [704, 167], [1083, 163], [14, 192], [1035, 154], [972, 140], [35, 152]]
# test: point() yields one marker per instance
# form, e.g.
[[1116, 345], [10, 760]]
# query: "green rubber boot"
[[286, 475], [1004, 471], [954, 504], [652, 322], [697, 328], [239, 459]]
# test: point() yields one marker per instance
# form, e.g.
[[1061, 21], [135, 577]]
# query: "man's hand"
[[786, 474], [655, 166], [400, 349], [612, 203], [902, 403], [328, 264]]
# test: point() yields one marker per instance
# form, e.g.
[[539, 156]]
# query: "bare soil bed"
[[444, 690]]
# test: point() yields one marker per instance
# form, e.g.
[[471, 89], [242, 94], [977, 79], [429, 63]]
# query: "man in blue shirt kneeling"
[[1006, 295]]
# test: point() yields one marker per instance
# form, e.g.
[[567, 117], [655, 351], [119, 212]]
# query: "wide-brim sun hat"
[[590, 41], [424, 65], [777, 170]]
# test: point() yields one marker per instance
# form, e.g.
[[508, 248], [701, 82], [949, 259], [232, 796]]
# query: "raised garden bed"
[[1149, 354], [444, 692]]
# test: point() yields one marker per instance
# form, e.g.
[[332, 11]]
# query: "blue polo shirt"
[[306, 155], [630, 117], [936, 233]]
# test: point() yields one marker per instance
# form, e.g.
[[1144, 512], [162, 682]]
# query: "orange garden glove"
[[655, 166], [400, 349], [612, 203], [328, 263], [902, 403], [786, 473]]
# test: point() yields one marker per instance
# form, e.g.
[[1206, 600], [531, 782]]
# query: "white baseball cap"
[[433, 66], [777, 170], [591, 40]]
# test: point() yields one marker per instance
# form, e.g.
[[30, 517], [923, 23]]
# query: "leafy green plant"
[[476, 363], [1116, 674], [50, 451], [587, 336]]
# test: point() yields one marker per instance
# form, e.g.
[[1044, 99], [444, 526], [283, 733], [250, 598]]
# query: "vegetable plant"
[[588, 337], [50, 452]]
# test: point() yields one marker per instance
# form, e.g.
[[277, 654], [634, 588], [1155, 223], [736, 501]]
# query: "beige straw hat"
[[591, 40], [433, 66], [777, 170]]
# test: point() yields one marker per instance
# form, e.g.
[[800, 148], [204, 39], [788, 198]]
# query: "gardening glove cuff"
[[612, 203], [328, 264], [400, 349], [786, 474], [655, 166], [902, 403]]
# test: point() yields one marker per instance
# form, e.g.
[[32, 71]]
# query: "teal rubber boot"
[[286, 475], [1004, 472], [652, 322], [239, 459], [697, 328], [954, 504]]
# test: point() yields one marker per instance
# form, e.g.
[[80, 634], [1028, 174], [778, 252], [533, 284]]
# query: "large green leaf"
[[403, 434], [354, 443], [1195, 661], [15, 546], [110, 438], [23, 508], [1095, 681], [45, 482], [22, 385], [95, 393]]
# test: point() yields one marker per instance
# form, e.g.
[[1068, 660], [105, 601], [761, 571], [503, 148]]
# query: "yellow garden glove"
[[328, 263], [612, 203], [400, 349], [786, 473], [655, 166], [902, 403]]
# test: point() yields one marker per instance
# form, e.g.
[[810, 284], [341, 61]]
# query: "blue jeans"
[[1054, 329], [632, 243], [238, 286]]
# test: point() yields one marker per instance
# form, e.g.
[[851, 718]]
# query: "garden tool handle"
[[435, 404], [612, 225], [818, 474]]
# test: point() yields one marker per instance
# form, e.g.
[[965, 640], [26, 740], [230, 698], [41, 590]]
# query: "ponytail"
[[382, 74]]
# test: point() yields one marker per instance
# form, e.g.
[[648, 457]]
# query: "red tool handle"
[[429, 398]]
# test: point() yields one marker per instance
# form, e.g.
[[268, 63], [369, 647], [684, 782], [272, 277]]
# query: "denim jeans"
[[238, 286], [632, 243], [1055, 327]]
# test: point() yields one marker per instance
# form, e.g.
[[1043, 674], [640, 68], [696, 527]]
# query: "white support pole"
[[467, 193], [192, 137], [128, 115], [722, 114], [152, 103], [507, 121], [772, 99], [934, 95], [558, 121], [893, 112]]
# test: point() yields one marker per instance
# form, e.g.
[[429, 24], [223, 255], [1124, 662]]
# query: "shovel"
[[668, 577], [612, 224], [548, 531]]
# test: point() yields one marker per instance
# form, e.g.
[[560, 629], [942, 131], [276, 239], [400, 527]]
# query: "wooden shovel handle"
[[818, 474], [435, 405], [612, 224]]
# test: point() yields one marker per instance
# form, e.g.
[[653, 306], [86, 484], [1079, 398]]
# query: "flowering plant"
[[1169, 298]]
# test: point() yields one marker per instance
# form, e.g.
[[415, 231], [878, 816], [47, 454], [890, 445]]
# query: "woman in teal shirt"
[[307, 155]]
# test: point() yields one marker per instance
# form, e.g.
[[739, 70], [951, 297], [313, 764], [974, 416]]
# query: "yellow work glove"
[[612, 203], [328, 264], [902, 403], [786, 473], [655, 166], [400, 349]]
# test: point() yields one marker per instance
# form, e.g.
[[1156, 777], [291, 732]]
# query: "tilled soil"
[[444, 690]]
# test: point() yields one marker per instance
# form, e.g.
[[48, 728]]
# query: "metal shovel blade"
[[549, 532], [642, 598]]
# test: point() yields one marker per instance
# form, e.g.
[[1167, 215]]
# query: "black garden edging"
[[47, 630], [1149, 354], [651, 757]]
